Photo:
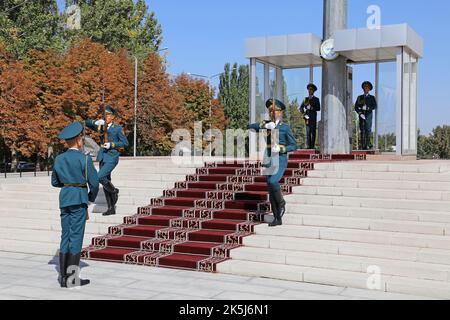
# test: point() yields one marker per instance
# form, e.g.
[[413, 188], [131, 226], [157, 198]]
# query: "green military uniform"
[[364, 107], [109, 158], [309, 108], [287, 143], [75, 174]]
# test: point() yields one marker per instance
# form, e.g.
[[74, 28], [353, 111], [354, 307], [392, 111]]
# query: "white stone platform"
[[348, 218], [29, 213], [34, 277]]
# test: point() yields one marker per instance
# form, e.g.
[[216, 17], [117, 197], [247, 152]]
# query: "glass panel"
[[387, 105], [260, 111], [413, 107], [406, 116], [294, 90], [272, 82], [317, 79], [361, 73]]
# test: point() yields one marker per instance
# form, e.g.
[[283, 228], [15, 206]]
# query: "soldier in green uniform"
[[286, 144], [364, 107], [309, 108], [109, 154], [74, 173]]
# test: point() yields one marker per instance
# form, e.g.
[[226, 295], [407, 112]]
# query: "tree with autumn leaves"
[[168, 104], [41, 96]]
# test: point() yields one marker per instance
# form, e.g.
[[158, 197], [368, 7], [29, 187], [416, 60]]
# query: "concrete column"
[[335, 134]]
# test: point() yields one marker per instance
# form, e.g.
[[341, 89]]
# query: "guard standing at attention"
[[109, 154], [73, 172], [364, 107], [287, 143], [309, 109]]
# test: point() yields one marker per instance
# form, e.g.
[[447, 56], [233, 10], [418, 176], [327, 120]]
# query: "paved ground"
[[24, 276]]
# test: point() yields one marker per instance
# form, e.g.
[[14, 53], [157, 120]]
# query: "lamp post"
[[135, 100], [209, 88]]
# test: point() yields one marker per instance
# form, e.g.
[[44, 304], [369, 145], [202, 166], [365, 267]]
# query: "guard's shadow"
[[55, 262]]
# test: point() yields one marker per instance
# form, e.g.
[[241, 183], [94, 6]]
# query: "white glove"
[[107, 146], [365, 108], [307, 117], [362, 116], [100, 122], [271, 126], [308, 107], [276, 149]]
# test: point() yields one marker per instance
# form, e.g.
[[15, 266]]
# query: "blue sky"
[[203, 35]]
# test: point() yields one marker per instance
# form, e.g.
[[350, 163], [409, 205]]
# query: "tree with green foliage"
[[436, 145], [234, 95], [119, 24], [26, 25], [294, 118]]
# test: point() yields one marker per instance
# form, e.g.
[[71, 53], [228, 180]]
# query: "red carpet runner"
[[195, 225]]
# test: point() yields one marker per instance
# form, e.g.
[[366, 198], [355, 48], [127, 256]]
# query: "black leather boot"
[[109, 187], [63, 259], [281, 205], [276, 215], [72, 276], [110, 201]]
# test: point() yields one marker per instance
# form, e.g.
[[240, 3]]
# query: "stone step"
[[370, 202], [346, 248], [387, 193], [370, 213], [17, 190], [378, 184], [357, 236], [131, 181], [151, 170], [48, 225], [415, 270], [353, 166], [38, 236], [121, 210], [428, 288], [392, 176], [51, 200], [53, 215], [437, 229], [29, 247]]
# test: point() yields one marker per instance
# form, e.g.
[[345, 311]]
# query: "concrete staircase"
[[350, 220], [29, 211]]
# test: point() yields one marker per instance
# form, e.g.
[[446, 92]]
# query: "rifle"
[[105, 127], [306, 103]]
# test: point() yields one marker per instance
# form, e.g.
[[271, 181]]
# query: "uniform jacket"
[[73, 167], [115, 137], [286, 138], [315, 107], [370, 102]]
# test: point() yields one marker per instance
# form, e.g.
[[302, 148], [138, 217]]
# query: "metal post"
[[335, 138], [210, 113], [135, 104], [377, 93]]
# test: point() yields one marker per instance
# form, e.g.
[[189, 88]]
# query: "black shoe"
[[73, 275], [275, 223], [63, 259]]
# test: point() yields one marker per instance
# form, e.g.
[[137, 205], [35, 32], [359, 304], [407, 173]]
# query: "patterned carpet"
[[195, 225]]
